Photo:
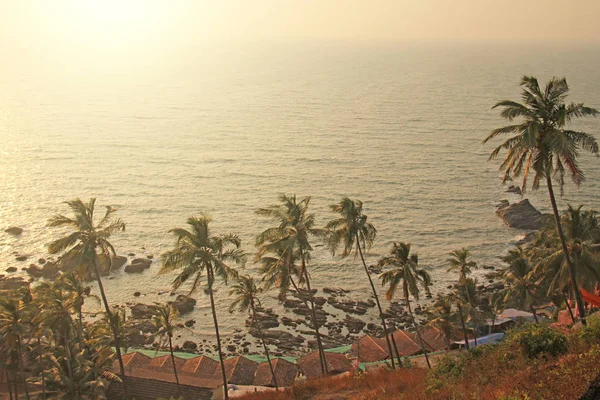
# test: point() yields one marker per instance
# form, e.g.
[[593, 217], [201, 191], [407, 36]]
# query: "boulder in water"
[[14, 230], [521, 215], [184, 304]]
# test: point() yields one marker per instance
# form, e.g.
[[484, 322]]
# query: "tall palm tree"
[[197, 252], [582, 233], [288, 243], [356, 235], [246, 299], [405, 270], [542, 144], [163, 319], [86, 243]]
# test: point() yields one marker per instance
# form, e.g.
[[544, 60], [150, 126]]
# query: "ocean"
[[225, 129]]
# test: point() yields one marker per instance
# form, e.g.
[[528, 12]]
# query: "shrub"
[[591, 332], [539, 340]]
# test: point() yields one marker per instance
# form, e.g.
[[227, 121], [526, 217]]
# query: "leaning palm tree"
[[405, 270], [87, 243], [197, 253], [73, 284], [287, 244], [163, 319], [356, 235], [245, 299], [542, 144]]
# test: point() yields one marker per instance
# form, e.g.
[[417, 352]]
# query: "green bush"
[[539, 340], [591, 332]]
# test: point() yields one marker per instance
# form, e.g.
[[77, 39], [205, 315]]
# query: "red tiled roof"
[[200, 366], [310, 364], [238, 370], [169, 376], [132, 360], [164, 363], [433, 338], [367, 349], [285, 372], [404, 342]]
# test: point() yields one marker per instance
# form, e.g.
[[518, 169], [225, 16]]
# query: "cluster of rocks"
[[522, 215], [138, 265]]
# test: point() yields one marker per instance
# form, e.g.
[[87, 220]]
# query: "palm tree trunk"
[[417, 329], [314, 317], [262, 339], [569, 307], [8, 382], [563, 242], [211, 280], [21, 369], [68, 350], [385, 331], [16, 384], [174, 367], [395, 348], [42, 367], [534, 314], [462, 322], [109, 314]]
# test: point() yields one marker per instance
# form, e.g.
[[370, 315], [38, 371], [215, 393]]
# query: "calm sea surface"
[[225, 130]]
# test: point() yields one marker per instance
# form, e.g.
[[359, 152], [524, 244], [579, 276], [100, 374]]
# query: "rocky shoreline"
[[288, 331]]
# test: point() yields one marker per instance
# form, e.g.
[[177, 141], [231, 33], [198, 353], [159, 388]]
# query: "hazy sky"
[[78, 27]]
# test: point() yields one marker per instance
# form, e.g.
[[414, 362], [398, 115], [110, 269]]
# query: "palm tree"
[[163, 319], [246, 299], [582, 232], [12, 331], [406, 271], [87, 242], [543, 145], [198, 252], [286, 244], [522, 286], [459, 262], [73, 284], [442, 316], [356, 235]]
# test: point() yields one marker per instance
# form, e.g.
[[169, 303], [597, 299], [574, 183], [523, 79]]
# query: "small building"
[[152, 387], [488, 339], [285, 372], [132, 360], [433, 338], [310, 364]]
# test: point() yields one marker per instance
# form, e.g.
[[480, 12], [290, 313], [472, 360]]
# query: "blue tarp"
[[489, 339]]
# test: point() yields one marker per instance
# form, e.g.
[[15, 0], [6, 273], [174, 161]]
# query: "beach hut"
[[164, 363], [405, 342], [238, 370], [202, 366]]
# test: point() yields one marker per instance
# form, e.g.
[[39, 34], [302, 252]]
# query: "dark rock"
[[231, 348], [490, 267], [50, 270], [14, 230], [42, 261], [149, 256], [143, 311], [188, 345], [354, 325], [189, 323], [131, 254], [117, 262], [514, 189], [184, 304], [11, 269], [137, 294], [12, 283], [521, 215], [21, 258], [136, 268], [34, 271]]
